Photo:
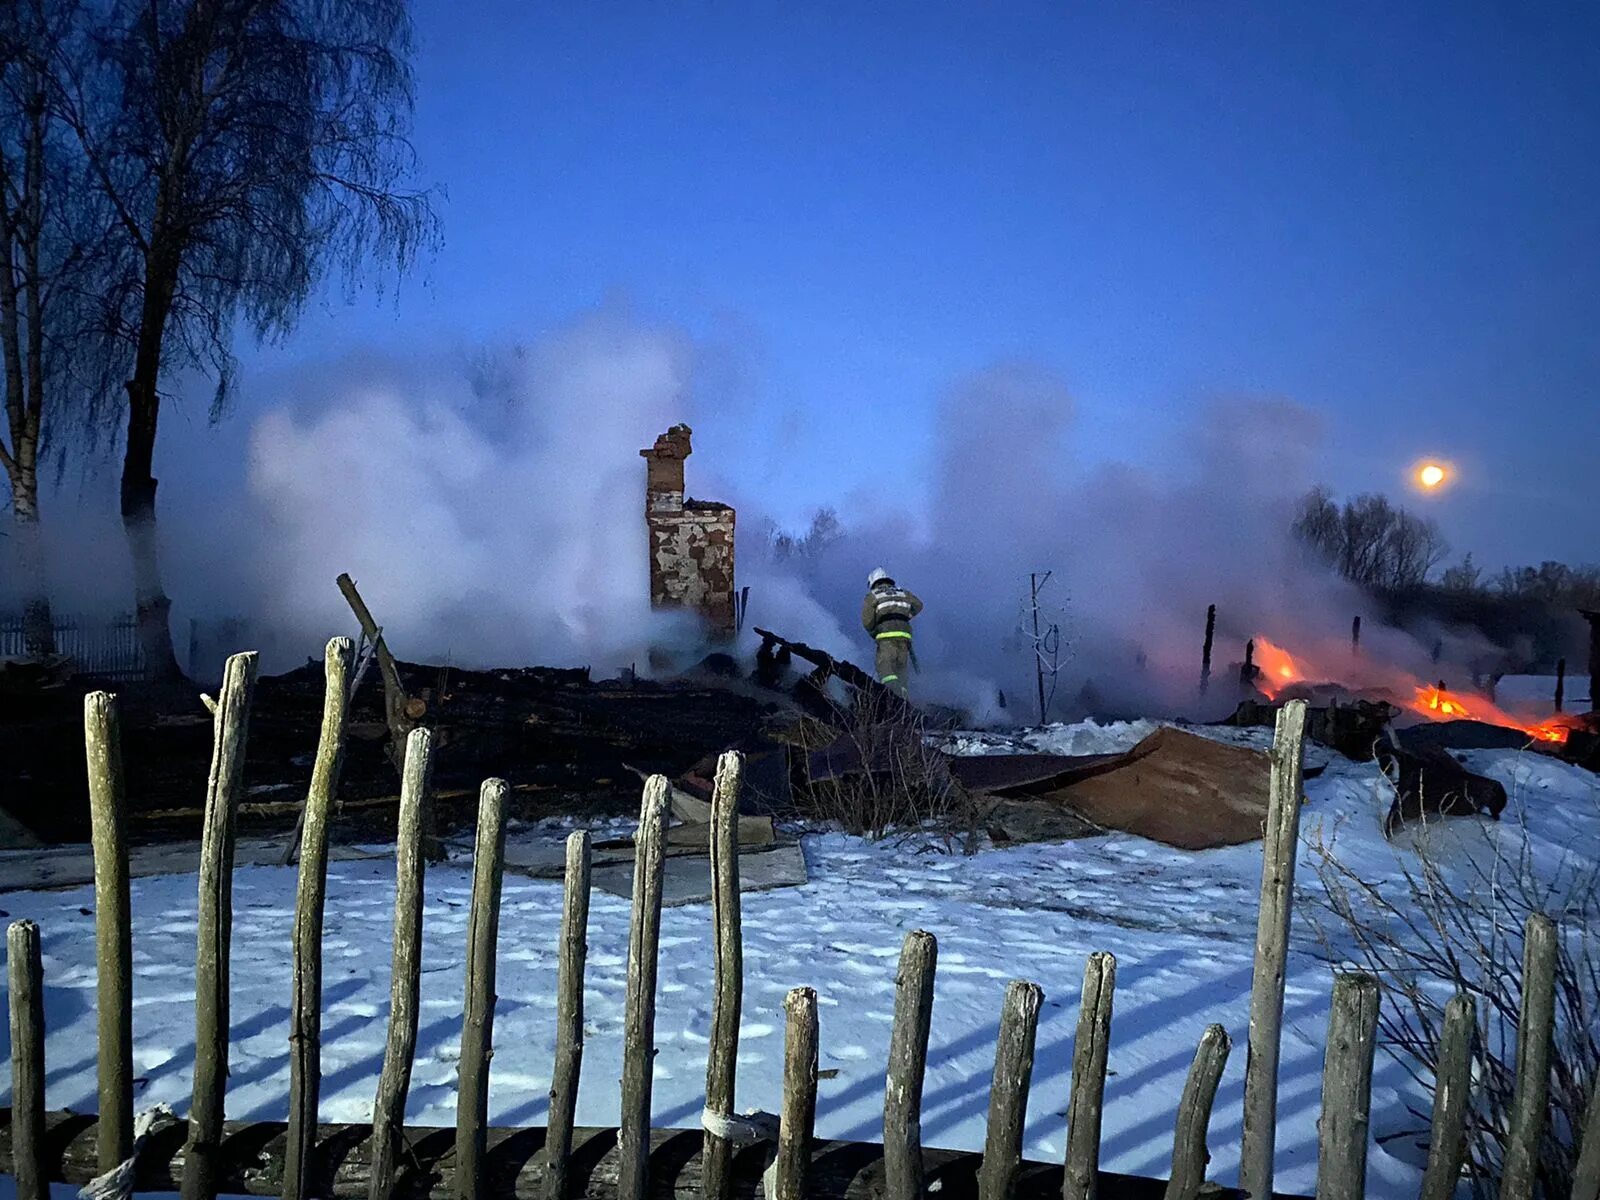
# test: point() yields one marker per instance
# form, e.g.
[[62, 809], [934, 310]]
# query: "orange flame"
[[1279, 668]]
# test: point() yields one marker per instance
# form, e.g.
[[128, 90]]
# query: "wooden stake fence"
[[476, 1162]]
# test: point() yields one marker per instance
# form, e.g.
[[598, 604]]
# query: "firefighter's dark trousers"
[[894, 661]]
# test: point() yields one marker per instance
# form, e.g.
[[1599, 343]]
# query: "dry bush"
[[1459, 927], [887, 780]]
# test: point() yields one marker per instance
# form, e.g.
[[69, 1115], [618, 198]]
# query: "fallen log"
[[249, 1161]]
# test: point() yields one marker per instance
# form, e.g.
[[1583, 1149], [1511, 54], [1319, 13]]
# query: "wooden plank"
[[305, 983], [1189, 1153], [1008, 1092], [1279, 845], [727, 969], [394, 1081], [1344, 1129], [25, 982], [113, 925], [908, 1061], [1447, 1144], [569, 1015], [1535, 1033], [230, 730], [639, 1009], [477, 1027], [1089, 1051], [797, 1121]]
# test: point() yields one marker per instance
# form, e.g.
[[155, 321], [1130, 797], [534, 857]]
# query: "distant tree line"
[[169, 171], [1369, 540], [1388, 550]]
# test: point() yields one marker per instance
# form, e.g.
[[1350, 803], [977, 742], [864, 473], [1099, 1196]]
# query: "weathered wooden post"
[[1089, 1050], [113, 927], [477, 1026], [305, 987], [639, 1012], [1561, 683], [1535, 1030], [1279, 844], [1447, 1145], [1008, 1094], [230, 728], [908, 1059], [25, 978], [569, 1017], [1342, 1131], [797, 1121], [1189, 1153], [1355, 635], [1586, 1175], [728, 977], [394, 1081], [1248, 669], [1205, 649]]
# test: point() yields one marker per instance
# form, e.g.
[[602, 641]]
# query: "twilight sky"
[[1387, 213]]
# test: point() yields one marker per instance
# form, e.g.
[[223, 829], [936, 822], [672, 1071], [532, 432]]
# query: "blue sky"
[[1389, 213]]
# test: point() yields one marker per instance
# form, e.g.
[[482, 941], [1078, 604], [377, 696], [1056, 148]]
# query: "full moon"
[[1431, 475]]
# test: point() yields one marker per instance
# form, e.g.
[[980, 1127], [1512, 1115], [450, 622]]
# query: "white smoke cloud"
[[496, 524]]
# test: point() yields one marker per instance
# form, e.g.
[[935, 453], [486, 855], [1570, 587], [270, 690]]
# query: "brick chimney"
[[691, 541]]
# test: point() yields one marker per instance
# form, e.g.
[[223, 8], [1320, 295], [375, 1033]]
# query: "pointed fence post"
[[1447, 1146], [25, 978], [305, 986], [569, 1018], [1279, 844], [797, 1121], [230, 729], [389, 1107], [1535, 1032], [1189, 1154], [639, 1011], [477, 1027], [728, 968], [908, 1060], [1344, 1128], [113, 927], [1089, 1051], [1008, 1093]]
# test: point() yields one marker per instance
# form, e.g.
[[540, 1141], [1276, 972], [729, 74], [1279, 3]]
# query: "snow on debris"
[[1181, 923]]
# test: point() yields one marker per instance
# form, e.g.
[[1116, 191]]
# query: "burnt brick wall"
[[691, 541]]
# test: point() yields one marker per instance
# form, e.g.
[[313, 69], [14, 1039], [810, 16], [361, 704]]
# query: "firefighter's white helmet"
[[877, 576]]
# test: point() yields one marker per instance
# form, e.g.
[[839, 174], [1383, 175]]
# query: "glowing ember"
[[1431, 475], [1434, 700]]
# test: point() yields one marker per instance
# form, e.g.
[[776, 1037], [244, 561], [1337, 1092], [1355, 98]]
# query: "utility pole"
[[1038, 646]]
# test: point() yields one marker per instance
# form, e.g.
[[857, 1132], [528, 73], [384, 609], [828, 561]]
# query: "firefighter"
[[886, 614]]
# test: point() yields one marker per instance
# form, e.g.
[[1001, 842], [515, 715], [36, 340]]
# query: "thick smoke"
[[491, 513], [490, 506]]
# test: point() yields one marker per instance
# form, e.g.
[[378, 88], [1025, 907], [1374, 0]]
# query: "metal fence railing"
[[107, 647]]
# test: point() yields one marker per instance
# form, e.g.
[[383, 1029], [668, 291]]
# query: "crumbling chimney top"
[[674, 443]]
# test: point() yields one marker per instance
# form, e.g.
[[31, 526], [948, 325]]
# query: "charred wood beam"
[[250, 1157], [851, 674], [396, 704]]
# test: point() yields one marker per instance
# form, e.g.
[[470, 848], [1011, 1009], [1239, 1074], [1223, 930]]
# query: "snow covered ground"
[[1181, 924]]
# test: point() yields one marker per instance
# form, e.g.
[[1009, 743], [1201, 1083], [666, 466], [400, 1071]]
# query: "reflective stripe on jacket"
[[887, 611]]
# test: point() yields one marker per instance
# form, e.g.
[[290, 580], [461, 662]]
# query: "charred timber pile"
[[554, 735]]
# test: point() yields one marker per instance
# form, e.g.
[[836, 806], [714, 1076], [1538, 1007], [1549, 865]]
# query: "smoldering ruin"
[[824, 738]]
